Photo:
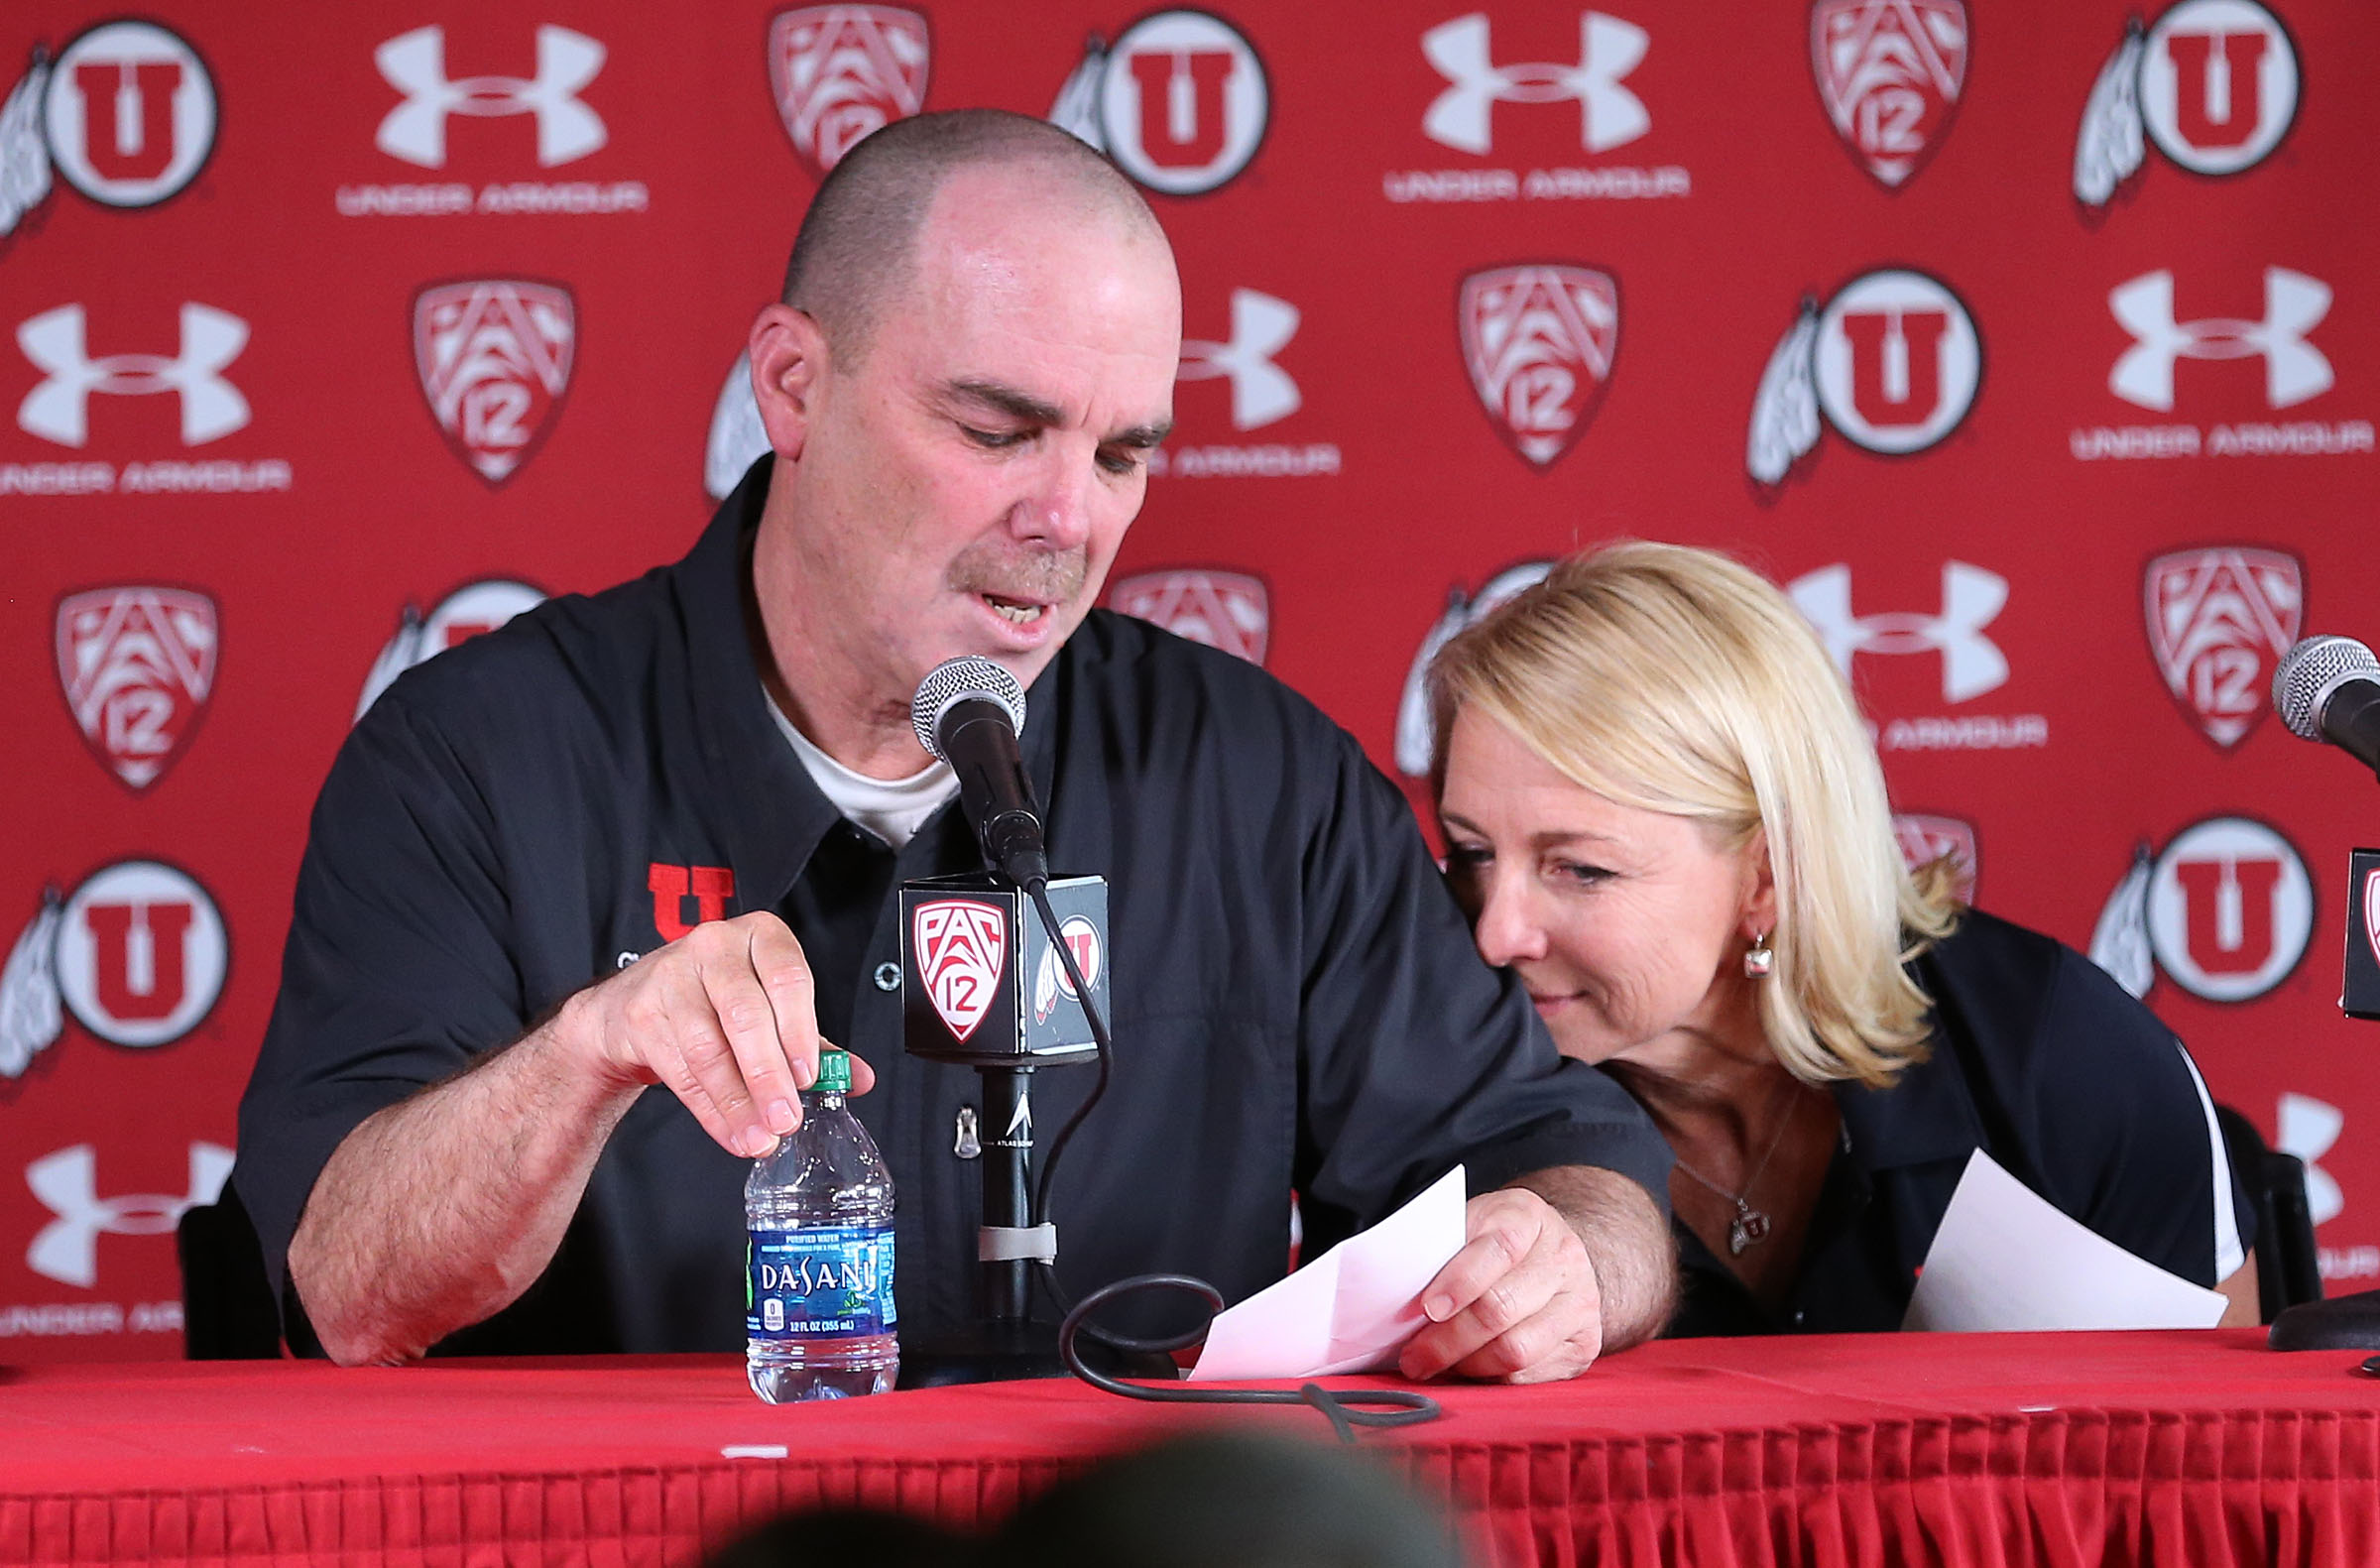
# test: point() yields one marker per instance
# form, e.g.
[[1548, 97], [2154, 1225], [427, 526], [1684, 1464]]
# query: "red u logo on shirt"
[[709, 887]]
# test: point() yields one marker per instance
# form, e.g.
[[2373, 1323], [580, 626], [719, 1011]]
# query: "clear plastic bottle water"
[[818, 1317]]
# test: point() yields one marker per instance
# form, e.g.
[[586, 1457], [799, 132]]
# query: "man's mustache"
[[1029, 576]]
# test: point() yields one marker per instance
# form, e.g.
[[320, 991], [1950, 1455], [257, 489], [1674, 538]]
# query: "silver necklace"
[[1750, 1226]]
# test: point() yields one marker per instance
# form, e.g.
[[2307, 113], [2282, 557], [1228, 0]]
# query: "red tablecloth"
[[2053, 1449]]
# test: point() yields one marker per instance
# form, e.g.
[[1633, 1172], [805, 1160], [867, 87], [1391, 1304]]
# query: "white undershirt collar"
[[893, 809]]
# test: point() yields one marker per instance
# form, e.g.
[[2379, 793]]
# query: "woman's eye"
[[1467, 857], [1580, 872]]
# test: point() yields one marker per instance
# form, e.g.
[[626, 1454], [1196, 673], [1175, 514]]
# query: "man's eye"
[[996, 440], [1122, 461]]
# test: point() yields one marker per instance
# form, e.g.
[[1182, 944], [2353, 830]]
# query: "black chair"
[[226, 1304], [2287, 1268]]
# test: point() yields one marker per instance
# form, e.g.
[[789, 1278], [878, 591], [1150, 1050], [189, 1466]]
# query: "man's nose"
[[1056, 511], [1508, 928]]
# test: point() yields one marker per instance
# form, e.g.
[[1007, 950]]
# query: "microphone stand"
[[1003, 1343]]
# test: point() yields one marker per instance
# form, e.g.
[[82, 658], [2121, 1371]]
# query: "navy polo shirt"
[[2039, 1059], [1297, 1001]]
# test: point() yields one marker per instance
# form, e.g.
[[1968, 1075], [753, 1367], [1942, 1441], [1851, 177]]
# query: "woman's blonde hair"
[[1676, 680]]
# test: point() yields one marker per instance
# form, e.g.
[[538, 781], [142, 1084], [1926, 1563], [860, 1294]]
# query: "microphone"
[[2328, 688], [967, 712]]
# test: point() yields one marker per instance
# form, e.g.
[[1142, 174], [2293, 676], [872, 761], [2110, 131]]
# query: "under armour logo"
[[59, 409], [414, 64], [2307, 1128], [1971, 663], [2294, 369], [66, 1182], [1262, 392], [1608, 113]]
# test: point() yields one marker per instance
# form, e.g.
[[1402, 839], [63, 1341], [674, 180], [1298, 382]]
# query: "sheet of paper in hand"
[[1349, 1310], [2006, 1259]]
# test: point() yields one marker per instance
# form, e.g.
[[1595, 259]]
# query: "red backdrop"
[[2032, 345]]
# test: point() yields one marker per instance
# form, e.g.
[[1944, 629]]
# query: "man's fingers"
[[698, 1038], [784, 975], [1519, 1302], [1490, 1295], [863, 1076], [1496, 1247], [651, 1036], [765, 1105]]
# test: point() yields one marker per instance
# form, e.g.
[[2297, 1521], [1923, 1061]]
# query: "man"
[[975, 354]]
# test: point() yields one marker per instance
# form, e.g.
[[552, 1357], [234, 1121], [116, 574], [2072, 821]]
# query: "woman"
[[1664, 813]]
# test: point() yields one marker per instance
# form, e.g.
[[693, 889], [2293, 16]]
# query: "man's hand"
[[1519, 1302], [725, 1018]]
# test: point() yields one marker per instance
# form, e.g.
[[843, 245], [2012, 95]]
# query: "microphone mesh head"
[[955, 680], [2310, 672]]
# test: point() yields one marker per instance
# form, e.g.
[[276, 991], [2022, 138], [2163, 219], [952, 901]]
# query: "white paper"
[[1349, 1310], [2006, 1259]]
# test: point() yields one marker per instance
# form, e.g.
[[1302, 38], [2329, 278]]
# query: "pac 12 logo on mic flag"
[[959, 945], [974, 948]]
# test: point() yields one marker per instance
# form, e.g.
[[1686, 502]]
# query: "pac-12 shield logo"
[[840, 72], [2219, 620], [137, 665], [1230, 610], [138, 954], [1082, 939], [2214, 84], [2227, 909], [126, 112], [1892, 362], [960, 946], [1539, 341], [1180, 101], [1889, 73], [1925, 838], [494, 357]]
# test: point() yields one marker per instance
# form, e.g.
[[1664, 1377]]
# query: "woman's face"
[[1626, 926]]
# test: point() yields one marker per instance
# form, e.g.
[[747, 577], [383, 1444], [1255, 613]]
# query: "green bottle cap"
[[834, 1071]]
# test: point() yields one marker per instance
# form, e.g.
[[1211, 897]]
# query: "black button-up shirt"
[[2041, 1061], [1297, 1004]]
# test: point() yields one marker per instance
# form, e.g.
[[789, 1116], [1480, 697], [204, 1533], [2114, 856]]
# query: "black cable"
[[1343, 1409], [1340, 1409], [1038, 890]]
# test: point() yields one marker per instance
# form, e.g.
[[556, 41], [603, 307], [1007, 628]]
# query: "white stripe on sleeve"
[[2228, 1254]]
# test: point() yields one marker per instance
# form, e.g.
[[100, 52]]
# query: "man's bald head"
[[857, 249]]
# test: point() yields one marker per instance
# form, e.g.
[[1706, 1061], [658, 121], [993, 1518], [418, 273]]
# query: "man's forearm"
[[1636, 1261], [440, 1210]]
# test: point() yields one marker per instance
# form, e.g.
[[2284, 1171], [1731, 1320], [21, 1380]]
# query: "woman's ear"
[[1760, 915], [788, 364]]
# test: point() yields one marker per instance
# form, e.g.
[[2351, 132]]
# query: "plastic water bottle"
[[818, 1316]]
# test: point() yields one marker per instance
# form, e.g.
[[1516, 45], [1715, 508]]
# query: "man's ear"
[[788, 364]]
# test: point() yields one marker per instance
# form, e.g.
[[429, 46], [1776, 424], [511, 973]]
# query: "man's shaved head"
[[857, 248]]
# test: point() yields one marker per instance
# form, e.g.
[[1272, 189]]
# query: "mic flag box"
[[2359, 997], [980, 983]]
